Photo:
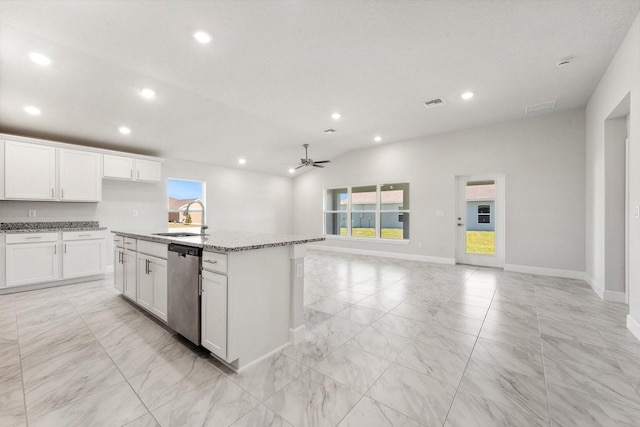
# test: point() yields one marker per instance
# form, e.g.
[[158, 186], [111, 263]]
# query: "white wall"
[[236, 200], [620, 79], [543, 159]]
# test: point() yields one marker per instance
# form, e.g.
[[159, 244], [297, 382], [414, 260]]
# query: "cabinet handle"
[[210, 262], [138, 174], [65, 248], [84, 235], [62, 193], [52, 196], [130, 173], [34, 237], [55, 249]]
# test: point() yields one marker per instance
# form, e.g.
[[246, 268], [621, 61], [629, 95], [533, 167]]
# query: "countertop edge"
[[215, 247], [52, 230]]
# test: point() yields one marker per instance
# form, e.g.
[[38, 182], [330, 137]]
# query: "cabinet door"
[[31, 263], [130, 286], [30, 171], [214, 313], [83, 258], [158, 270], [145, 283], [118, 274], [147, 170], [80, 176], [117, 167]]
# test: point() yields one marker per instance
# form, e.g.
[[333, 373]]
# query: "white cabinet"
[[32, 262], [214, 313], [118, 269], [121, 167], [83, 254], [147, 170], [42, 172], [118, 167], [30, 171], [152, 285], [80, 176], [129, 284]]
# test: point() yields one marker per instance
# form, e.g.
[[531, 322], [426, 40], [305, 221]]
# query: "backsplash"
[[5, 226]]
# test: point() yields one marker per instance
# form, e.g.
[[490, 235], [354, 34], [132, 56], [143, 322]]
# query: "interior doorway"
[[480, 219]]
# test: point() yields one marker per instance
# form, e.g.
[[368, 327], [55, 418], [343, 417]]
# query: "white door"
[[117, 167], [129, 259], [480, 219], [147, 170], [80, 176], [214, 313], [145, 283], [118, 274], [32, 263], [83, 258], [158, 270], [30, 171]]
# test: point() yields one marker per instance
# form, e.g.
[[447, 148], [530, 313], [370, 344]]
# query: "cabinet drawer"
[[154, 249], [118, 241], [213, 261], [83, 235], [130, 243], [31, 237]]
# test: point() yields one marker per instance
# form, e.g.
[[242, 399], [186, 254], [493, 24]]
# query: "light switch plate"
[[636, 212]]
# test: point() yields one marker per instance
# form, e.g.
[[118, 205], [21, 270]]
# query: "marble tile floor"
[[388, 343]]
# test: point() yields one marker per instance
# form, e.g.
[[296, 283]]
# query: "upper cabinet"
[[120, 167], [80, 176], [51, 171], [30, 171]]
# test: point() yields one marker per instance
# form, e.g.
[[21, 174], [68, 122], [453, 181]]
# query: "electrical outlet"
[[636, 212], [419, 245], [135, 212], [32, 213]]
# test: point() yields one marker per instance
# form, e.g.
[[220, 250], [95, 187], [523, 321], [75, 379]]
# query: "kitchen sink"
[[179, 234]]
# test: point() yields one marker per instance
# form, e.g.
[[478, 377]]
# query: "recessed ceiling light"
[[30, 109], [378, 138], [242, 161], [336, 116], [147, 93], [124, 130], [202, 37], [39, 58], [292, 170], [467, 95]]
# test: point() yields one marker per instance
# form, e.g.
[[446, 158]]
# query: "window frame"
[[377, 213]]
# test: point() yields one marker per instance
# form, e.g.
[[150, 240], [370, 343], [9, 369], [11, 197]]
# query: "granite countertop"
[[49, 227], [226, 241]]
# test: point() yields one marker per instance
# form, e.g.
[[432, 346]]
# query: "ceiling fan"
[[309, 162]]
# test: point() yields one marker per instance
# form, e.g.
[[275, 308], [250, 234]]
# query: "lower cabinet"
[[129, 288], [83, 258], [214, 313], [28, 263], [118, 269], [152, 285]]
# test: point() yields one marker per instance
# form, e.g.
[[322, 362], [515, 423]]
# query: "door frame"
[[627, 219], [498, 259]]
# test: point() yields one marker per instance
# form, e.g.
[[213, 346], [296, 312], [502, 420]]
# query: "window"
[[180, 193], [369, 211]]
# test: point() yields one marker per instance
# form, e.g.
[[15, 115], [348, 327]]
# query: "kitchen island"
[[252, 287]]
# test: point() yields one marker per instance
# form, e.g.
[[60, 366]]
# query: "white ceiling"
[[276, 70]]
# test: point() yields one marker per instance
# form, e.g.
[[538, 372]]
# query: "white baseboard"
[[297, 335], [615, 296], [633, 326], [597, 288], [543, 271], [382, 254]]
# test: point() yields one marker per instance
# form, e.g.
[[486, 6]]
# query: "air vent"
[[544, 106], [329, 131], [434, 103]]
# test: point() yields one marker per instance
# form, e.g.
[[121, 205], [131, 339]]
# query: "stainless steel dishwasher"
[[183, 314]]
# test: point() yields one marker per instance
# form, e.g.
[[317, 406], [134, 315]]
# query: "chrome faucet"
[[203, 226]]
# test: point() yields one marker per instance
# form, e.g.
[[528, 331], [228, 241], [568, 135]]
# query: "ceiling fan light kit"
[[310, 162]]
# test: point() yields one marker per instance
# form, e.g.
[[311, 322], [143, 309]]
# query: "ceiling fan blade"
[[318, 166], [323, 161], [301, 166]]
